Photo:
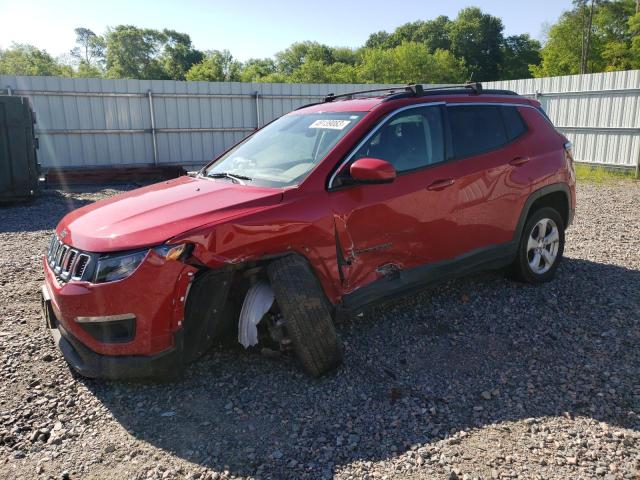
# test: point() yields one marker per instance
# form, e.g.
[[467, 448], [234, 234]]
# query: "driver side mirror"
[[372, 170]]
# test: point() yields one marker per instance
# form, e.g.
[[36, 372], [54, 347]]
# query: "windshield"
[[285, 151]]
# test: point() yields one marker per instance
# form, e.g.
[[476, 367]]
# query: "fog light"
[[110, 328]]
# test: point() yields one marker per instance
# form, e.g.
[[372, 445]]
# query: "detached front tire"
[[306, 314], [541, 247]]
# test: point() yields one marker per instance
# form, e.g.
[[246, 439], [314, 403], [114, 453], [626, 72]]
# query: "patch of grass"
[[600, 174]]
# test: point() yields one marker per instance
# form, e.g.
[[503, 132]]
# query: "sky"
[[252, 28]]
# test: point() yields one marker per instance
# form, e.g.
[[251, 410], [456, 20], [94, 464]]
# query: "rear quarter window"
[[513, 122]]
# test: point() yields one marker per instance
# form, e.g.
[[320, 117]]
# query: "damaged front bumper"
[[94, 365], [130, 328]]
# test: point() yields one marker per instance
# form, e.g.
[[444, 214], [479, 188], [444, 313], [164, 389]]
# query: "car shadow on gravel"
[[470, 353]]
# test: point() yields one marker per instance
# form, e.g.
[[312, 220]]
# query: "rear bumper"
[[94, 365]]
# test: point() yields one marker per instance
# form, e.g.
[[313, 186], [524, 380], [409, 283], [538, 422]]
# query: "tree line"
[[594, 36]]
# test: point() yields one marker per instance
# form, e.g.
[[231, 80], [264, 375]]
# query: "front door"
[[387, 228]]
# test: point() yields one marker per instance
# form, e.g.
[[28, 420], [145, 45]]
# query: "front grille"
[[81, 265], [67, 263]]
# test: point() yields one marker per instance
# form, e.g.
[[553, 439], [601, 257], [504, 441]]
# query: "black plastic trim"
[[115, 331], [487, 258], [555, 187], [405, 281]]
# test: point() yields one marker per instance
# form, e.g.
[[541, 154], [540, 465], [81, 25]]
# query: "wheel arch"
[[240, 274], [556, 196]]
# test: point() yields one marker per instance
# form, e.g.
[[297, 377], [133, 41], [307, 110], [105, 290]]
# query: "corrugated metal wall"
[[93, 122], [599, 112]]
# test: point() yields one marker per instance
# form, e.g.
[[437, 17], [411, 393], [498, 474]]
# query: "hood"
[[151, 215]]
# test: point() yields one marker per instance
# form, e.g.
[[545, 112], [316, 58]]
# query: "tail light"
[[568, 149]]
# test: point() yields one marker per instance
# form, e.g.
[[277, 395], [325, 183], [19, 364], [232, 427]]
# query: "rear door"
[[488, 152]]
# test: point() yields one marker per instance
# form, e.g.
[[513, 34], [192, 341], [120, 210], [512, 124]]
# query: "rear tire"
[[540, 248], [306, 313]]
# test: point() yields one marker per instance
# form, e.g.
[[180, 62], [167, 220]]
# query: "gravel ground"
[[478, 378]]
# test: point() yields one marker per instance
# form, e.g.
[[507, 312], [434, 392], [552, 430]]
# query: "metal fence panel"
[[86, 122], [598, 112], [93, 122]]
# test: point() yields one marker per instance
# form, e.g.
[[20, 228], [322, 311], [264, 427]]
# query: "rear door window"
[[476, 129]]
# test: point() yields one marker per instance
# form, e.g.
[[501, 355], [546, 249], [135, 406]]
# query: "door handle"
[[441, 184], [516, 162]]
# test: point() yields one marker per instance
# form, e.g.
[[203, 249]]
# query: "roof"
[[364, 104]]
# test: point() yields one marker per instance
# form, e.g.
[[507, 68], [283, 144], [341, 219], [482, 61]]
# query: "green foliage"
[[178, 55], [633, 50], [22, 59], [217, 66], [477, 37], [433, 33], [474, 37], [144, 53], [411, 62], [344, 55], [561, 53], [614, 32], [518, 53], [133, 52], [90, 48], [300, 52], [255, 69], [87, 70], [599, 174], [378, 40], [440, 50]]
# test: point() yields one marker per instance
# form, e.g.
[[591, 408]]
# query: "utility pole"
[[582, 4], [586, 37]]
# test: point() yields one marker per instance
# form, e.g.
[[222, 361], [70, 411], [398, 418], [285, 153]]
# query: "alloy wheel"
[[542, 246]]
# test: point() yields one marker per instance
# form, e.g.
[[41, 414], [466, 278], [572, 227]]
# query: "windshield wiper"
[[233, 176]]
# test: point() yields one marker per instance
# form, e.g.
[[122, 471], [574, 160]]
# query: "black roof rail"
[[475, 87], [453, 90], [418, 90], [308, 105], [331, 97], [415, 89]]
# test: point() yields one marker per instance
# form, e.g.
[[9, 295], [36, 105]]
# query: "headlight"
[[110, 269]]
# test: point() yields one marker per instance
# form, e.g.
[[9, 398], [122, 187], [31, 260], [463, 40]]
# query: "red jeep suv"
[[336, 205]]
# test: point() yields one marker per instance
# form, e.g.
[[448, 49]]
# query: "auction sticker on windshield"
[[330, 124]]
